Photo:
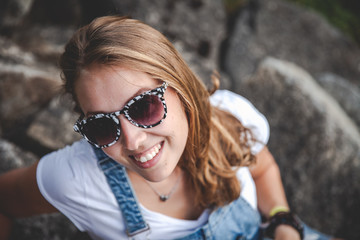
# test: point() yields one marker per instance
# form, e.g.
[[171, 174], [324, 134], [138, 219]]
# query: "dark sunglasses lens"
[[101, 131], [147, 111]]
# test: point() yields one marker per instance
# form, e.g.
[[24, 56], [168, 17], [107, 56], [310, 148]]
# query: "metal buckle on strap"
[[142, 230]]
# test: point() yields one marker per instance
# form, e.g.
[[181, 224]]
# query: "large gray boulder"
[[53, 226], [13, 157], [315, 143], [283, 30], [345, 92], [12, 12], [53, 126], [26, 85], [196, 27]]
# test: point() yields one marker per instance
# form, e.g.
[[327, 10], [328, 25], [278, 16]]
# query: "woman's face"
[[153, 153]]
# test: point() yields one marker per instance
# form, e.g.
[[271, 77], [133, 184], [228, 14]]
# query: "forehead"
[[106, 89]]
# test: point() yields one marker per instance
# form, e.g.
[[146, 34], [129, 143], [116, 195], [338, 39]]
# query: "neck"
[[179, 205], [164, 196]]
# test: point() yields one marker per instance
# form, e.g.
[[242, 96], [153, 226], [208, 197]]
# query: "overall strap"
[[120, 185]]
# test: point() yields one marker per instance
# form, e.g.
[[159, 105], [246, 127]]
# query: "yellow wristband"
[[278, 209]]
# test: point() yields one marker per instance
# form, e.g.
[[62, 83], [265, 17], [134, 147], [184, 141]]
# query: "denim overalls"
[[238, 220]]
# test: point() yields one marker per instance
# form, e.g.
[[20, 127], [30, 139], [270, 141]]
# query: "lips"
[[149, 158], [149, 155]]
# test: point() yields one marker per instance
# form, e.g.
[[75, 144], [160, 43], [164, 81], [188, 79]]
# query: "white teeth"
[[149, 155]]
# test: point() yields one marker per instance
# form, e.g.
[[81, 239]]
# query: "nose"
[[131, 136]]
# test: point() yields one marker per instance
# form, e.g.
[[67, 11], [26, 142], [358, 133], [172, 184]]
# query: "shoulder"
[[65, 163], [247, 114], [62, 177], [240, 107]]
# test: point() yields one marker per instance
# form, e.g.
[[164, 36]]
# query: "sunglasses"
[[146, 110]]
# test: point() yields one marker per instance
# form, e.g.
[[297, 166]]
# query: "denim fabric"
[[237, 220], [119, 183]]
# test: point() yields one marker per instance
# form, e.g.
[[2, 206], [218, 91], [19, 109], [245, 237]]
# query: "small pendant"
[[163, 198]]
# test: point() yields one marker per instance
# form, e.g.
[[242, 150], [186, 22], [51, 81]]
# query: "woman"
[[165, 159]]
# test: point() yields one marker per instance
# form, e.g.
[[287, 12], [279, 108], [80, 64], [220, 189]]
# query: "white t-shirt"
[[71, 180]]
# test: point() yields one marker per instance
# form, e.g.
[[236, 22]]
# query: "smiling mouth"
[[149, 155]]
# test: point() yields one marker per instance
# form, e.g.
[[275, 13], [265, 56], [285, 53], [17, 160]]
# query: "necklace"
[[165, 197]]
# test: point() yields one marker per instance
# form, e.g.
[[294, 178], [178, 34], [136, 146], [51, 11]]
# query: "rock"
[[57, 12], [283, 30], [25, 86], [53, 127], [13, 157], [195, 27], [346, 93], [199, 45], [50, 226], [316, 144], [13, 12], [45, 43], [21, 96]]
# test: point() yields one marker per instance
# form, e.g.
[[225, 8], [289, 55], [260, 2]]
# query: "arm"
[[20, 197], [269, 187], [270, 191]]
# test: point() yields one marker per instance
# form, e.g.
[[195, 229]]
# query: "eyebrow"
[[137, 93]]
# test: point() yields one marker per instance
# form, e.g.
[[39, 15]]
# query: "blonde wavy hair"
[[217, 142]]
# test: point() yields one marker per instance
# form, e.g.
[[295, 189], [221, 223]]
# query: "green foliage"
[[343, 14]]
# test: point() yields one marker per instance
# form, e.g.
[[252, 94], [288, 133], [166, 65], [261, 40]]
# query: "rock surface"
[[45, 127], [299, 71], [282, 30], [345, 92], [314, 141], [13, 157]]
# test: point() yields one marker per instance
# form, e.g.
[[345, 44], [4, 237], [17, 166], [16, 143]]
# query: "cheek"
[[175, 109], [184, 124], [115, 152], [181, 127], [177, 118]]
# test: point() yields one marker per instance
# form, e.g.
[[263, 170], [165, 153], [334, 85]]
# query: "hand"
[[286, 232]]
